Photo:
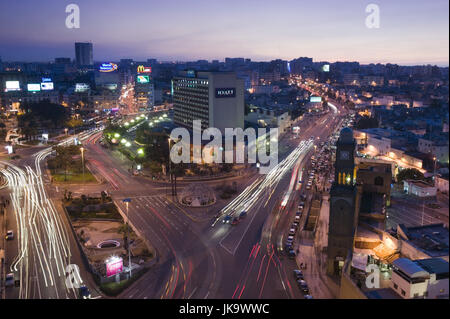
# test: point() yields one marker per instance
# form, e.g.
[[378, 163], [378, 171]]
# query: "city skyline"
[[177, 32]]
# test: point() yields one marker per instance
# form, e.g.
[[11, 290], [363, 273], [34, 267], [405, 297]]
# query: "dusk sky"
[[411, 32]]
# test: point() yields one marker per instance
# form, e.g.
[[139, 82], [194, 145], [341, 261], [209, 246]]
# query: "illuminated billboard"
[[326, 68], [143, 79], [47, 86], [191, 73], [82, 87], [114, 266], [315, 99], [110, 86], [46, 80], [32, 87], [144, 69], [108, 67], [12, 86]]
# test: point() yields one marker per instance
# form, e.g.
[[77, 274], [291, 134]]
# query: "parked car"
[[9, 235], [298, 274], [291, 254], [9, 281]]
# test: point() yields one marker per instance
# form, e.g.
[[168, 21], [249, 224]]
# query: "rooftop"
[[431, 239], [434, 265]]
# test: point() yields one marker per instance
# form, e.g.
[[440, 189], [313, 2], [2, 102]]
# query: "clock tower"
[[343, 203]]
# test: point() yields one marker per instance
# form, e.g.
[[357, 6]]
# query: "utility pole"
[[127, 201]]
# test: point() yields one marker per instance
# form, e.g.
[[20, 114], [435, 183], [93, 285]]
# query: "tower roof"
[[346, 135]]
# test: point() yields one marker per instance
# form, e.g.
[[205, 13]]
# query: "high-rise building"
[[215, 98], [343, 204], [84, 54], [144, 90]]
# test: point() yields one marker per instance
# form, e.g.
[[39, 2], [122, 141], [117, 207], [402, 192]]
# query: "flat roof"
[[431, 239], [434, 265]]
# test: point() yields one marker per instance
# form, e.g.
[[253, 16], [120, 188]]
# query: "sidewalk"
[[311, 254]]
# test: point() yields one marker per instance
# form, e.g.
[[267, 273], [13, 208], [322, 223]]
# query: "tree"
[[410, 173]]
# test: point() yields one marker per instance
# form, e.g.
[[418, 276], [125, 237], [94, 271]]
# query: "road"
[[43, 247], [194, 260]]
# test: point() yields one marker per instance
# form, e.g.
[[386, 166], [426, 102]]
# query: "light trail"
[[247, 199], [43, 241]]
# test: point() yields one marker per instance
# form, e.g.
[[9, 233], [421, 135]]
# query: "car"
[[9, 235], [242, 214], [297, 218], [308, 187], [297, 274], [235, 221], [308, 297], [9, 280], [288, 247], [84, 292], [295, 224], [299, 213], [290, 237], [292, 231], [291, 254], [227, 219]]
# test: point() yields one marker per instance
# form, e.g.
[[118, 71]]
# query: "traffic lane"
[[253, 236], [170, 232]]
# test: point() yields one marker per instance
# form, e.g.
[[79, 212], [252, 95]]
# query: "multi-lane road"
[[196, 257]]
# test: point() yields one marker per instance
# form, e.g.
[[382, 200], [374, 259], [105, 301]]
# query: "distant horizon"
[[161, 60]]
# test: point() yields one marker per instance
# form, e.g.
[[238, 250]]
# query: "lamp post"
[[434, 171], [127, 201], [82, 160]]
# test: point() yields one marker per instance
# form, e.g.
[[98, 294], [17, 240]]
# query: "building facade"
[[215, 98]]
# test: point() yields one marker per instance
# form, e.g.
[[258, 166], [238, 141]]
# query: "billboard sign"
[[82, 87], [108, 67], [114, 266], [47, 86], [315, 99], [225, 92], [191, 73], [143, 79], [326, 68], [33, 87], [144, 69], [12, 86], [46, 80]]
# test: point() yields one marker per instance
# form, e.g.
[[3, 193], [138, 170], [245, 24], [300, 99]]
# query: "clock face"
[[345, 155]]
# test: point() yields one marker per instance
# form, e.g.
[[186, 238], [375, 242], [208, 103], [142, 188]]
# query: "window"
[[403, 293], [395, 286]]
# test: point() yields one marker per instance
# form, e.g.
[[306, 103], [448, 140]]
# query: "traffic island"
[[109, 245]]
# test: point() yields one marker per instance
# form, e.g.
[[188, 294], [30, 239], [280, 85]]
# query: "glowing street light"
[[123, 141], [140, 151], [127, 144], [116, 135]]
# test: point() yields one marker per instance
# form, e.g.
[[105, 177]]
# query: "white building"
[[419, 188], [425, 278]]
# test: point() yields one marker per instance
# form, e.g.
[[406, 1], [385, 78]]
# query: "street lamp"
[[434, 170], [82, 160]]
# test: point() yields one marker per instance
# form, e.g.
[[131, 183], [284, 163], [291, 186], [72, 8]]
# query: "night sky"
[[411, 32]]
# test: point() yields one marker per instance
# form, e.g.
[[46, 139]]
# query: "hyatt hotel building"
[[215, 98]]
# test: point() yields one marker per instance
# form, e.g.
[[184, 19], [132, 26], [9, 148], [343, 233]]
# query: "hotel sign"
[[225, 92]]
